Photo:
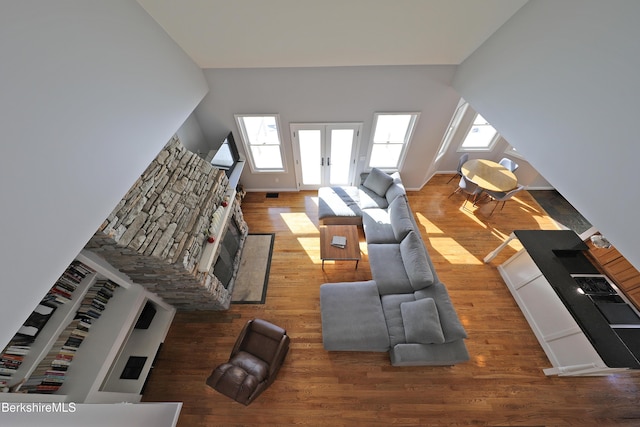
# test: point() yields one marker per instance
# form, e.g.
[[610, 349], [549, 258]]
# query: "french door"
[[325, 153]]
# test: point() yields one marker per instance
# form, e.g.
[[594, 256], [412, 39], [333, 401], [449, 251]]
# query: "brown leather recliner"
[[254, 362]]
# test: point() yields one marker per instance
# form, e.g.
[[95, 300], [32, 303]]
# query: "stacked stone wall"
[[156, 233]]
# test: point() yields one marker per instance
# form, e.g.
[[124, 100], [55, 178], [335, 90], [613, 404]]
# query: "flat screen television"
[[227, 155]]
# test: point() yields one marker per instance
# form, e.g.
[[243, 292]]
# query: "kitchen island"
[[571, 324]]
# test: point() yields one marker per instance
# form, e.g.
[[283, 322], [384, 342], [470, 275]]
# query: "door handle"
[[328, 162], [322, 161]]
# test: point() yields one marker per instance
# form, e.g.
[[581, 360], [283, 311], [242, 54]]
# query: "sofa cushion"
[[338, 202], [377, 226], [449, 321], [352, 317], [414, 257], [421, 322], [396, 189], [369, 199], [400, 218], [378, 181], [388, 269], [393, 316]]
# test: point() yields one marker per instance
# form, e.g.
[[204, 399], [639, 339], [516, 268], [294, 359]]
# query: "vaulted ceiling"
[[315, 33]]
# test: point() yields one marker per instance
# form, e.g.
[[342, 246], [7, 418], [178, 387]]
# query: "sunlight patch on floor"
[[299, 223], [363, 248], [481, 361], [311, 245], [529, 206], [543, 222], [429, 226], [470, 214], [453, 251], [501, 237]]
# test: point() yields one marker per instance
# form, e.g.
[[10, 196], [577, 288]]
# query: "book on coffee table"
[[339, 241]]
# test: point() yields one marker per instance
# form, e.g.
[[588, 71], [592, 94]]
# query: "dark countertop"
[[558, 254]]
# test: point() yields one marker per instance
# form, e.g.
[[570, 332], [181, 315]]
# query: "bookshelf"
[[92, 374]]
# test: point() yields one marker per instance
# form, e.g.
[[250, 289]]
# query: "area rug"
[[253, 274], [558, 208]]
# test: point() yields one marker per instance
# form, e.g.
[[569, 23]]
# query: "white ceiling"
[[315, 33]]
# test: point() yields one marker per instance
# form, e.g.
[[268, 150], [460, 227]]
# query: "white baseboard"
[[271, 190], [541, 188]]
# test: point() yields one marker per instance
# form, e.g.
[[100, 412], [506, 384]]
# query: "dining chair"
[[469, 188], [499, 196], [509, 164], [462, 161]]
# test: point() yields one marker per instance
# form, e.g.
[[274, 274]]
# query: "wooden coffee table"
[[351, 251]]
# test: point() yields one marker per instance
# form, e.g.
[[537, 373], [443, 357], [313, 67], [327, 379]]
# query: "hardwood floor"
[[502, 384]]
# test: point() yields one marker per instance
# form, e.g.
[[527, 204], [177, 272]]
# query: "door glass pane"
[[310, 156], [340, 156]]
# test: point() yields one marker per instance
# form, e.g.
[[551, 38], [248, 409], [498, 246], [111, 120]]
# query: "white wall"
[[527, 175], [560, 81], [191, 136], [91, 91], [331, 94]]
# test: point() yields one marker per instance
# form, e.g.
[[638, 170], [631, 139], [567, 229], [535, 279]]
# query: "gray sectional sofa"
[[405, 309]]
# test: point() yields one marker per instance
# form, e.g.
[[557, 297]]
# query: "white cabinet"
[[93, 375], [565, 344]]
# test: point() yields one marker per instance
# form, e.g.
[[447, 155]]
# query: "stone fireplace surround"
[[157, 232]]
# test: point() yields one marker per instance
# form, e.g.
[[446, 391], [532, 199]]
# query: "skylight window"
[[481, 137]]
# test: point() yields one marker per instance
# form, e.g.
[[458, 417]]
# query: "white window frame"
[[405, 145], [247, 146], [512, 152], [452, 128], [489, 147]]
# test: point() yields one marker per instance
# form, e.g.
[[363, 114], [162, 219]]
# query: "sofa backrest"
[[400, 218], [416, 263], [449, 321], [396, 189]]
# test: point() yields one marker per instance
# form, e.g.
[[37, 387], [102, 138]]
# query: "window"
[[261, 138], [512, 152], [391, 135], [481, 137], [453, 126]]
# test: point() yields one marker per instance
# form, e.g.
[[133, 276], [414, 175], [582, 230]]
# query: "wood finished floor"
[[503, 383]]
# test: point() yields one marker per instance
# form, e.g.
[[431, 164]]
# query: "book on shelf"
[[339, 241], [62, 290], [17, 349], [50, 372], [8, 371]]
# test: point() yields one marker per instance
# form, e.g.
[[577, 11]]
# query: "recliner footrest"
[[233, 382]]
